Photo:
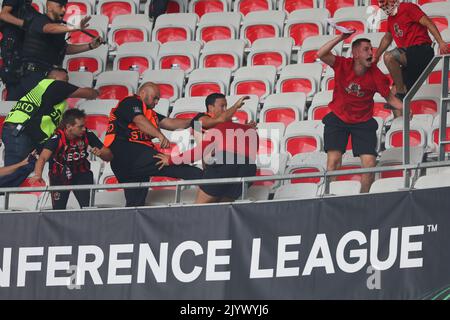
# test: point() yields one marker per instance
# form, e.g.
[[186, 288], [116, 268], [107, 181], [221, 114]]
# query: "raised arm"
[[324, 53]]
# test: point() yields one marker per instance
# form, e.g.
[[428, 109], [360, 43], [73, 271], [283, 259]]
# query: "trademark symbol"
[[432, 228]]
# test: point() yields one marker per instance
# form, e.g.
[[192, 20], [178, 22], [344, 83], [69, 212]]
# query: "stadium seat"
[[111, 199], [293, 5], [327, 82], [352, 18], [417, 134], [130, 28], [296, 191], [170, 82], [223, 54], [305, 23], [248, 111], [433, 181], [218, 26], [258, 193], [201, 7], [258, 80], [304, 168], [319, 105], [249, 6], [439, 13], [187, 108], [180, 141], [435, 76], [379, 110], [426, 100], [377, 19], [39, 5], [269, 166], [175, 27], [283, 108], [308, 51], [20, 202], [97, 114], [334, 5], [203, 82], [114, 8], [387, 185], [302, 137], [93, 60], [117, 84], [270, 51], [75, 9], [82, 80], [185, 54], [107, 177], [262, 24], [433, 138], [345, 188], [349, 162], [422, 2], [302, 77], [270, 135], [136, 56], [163, 107], [394, 156], [98, 26]]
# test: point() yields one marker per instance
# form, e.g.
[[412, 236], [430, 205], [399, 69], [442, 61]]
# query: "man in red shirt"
[[357, 79], [228, 150], [408, 25]]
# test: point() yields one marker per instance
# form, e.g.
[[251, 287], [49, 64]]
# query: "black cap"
[[61, 2]]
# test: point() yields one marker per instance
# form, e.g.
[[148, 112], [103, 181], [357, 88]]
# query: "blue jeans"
[[17, 148]]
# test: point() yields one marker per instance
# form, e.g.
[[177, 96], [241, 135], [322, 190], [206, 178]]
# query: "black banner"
[[375, 246]]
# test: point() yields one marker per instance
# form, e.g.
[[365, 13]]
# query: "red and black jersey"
[[70, 157]]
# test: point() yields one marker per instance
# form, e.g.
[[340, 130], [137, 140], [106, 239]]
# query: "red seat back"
[[283, 115], [134, 63], [116, 8], [256, 32], [301, 144], [246, 6], [215, 33], [128, 35], [206, 6]]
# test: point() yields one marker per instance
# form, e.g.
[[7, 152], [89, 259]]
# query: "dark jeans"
[[59, 198], [139, 168], [17, 148]]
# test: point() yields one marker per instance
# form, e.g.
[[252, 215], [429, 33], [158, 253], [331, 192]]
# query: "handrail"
[[243, 180], [406, 107]]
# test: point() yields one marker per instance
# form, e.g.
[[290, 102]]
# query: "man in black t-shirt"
[[45, 44], [68, 153], [132, 126], [36, 115]]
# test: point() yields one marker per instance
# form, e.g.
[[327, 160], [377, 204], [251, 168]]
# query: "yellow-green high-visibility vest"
[[28, 107]]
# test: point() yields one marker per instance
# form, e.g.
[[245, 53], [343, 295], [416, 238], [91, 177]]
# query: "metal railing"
[[244, 181], [443, 110]]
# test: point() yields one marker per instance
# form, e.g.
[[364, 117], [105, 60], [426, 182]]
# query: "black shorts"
[[337, 132], [218, 171], [417, 59]]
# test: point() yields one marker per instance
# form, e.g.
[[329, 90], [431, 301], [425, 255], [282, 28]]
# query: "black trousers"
[[157, 8], [140, 167], [59, 198]]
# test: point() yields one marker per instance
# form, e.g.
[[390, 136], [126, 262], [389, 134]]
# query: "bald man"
[[132, 125]]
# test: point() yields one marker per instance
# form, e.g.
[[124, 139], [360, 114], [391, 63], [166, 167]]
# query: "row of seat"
[[298, 25], [114, 8], [298, 188]]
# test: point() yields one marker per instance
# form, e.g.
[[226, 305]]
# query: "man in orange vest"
[[132, 125]]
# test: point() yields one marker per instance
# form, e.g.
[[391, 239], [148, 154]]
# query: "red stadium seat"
[[129, 63], [128, 35], [435, 134], [301, 144], [75, 8], [320, 112], [292, 5], [115, 8], [206, 6], [333, 5], [296, 85], [98, 123], [264, 173], [255, 32], [414, 136], [83, 64], [27, 183], [305, 180], [301, 31], [216, 33], [183, 62], [246, 6], [171, 34], [113, 92], [423, 106], [283, 115], [219, 60], [356, 177], [80, 37]]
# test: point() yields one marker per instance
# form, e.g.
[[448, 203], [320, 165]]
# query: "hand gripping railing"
[[443, 111]]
